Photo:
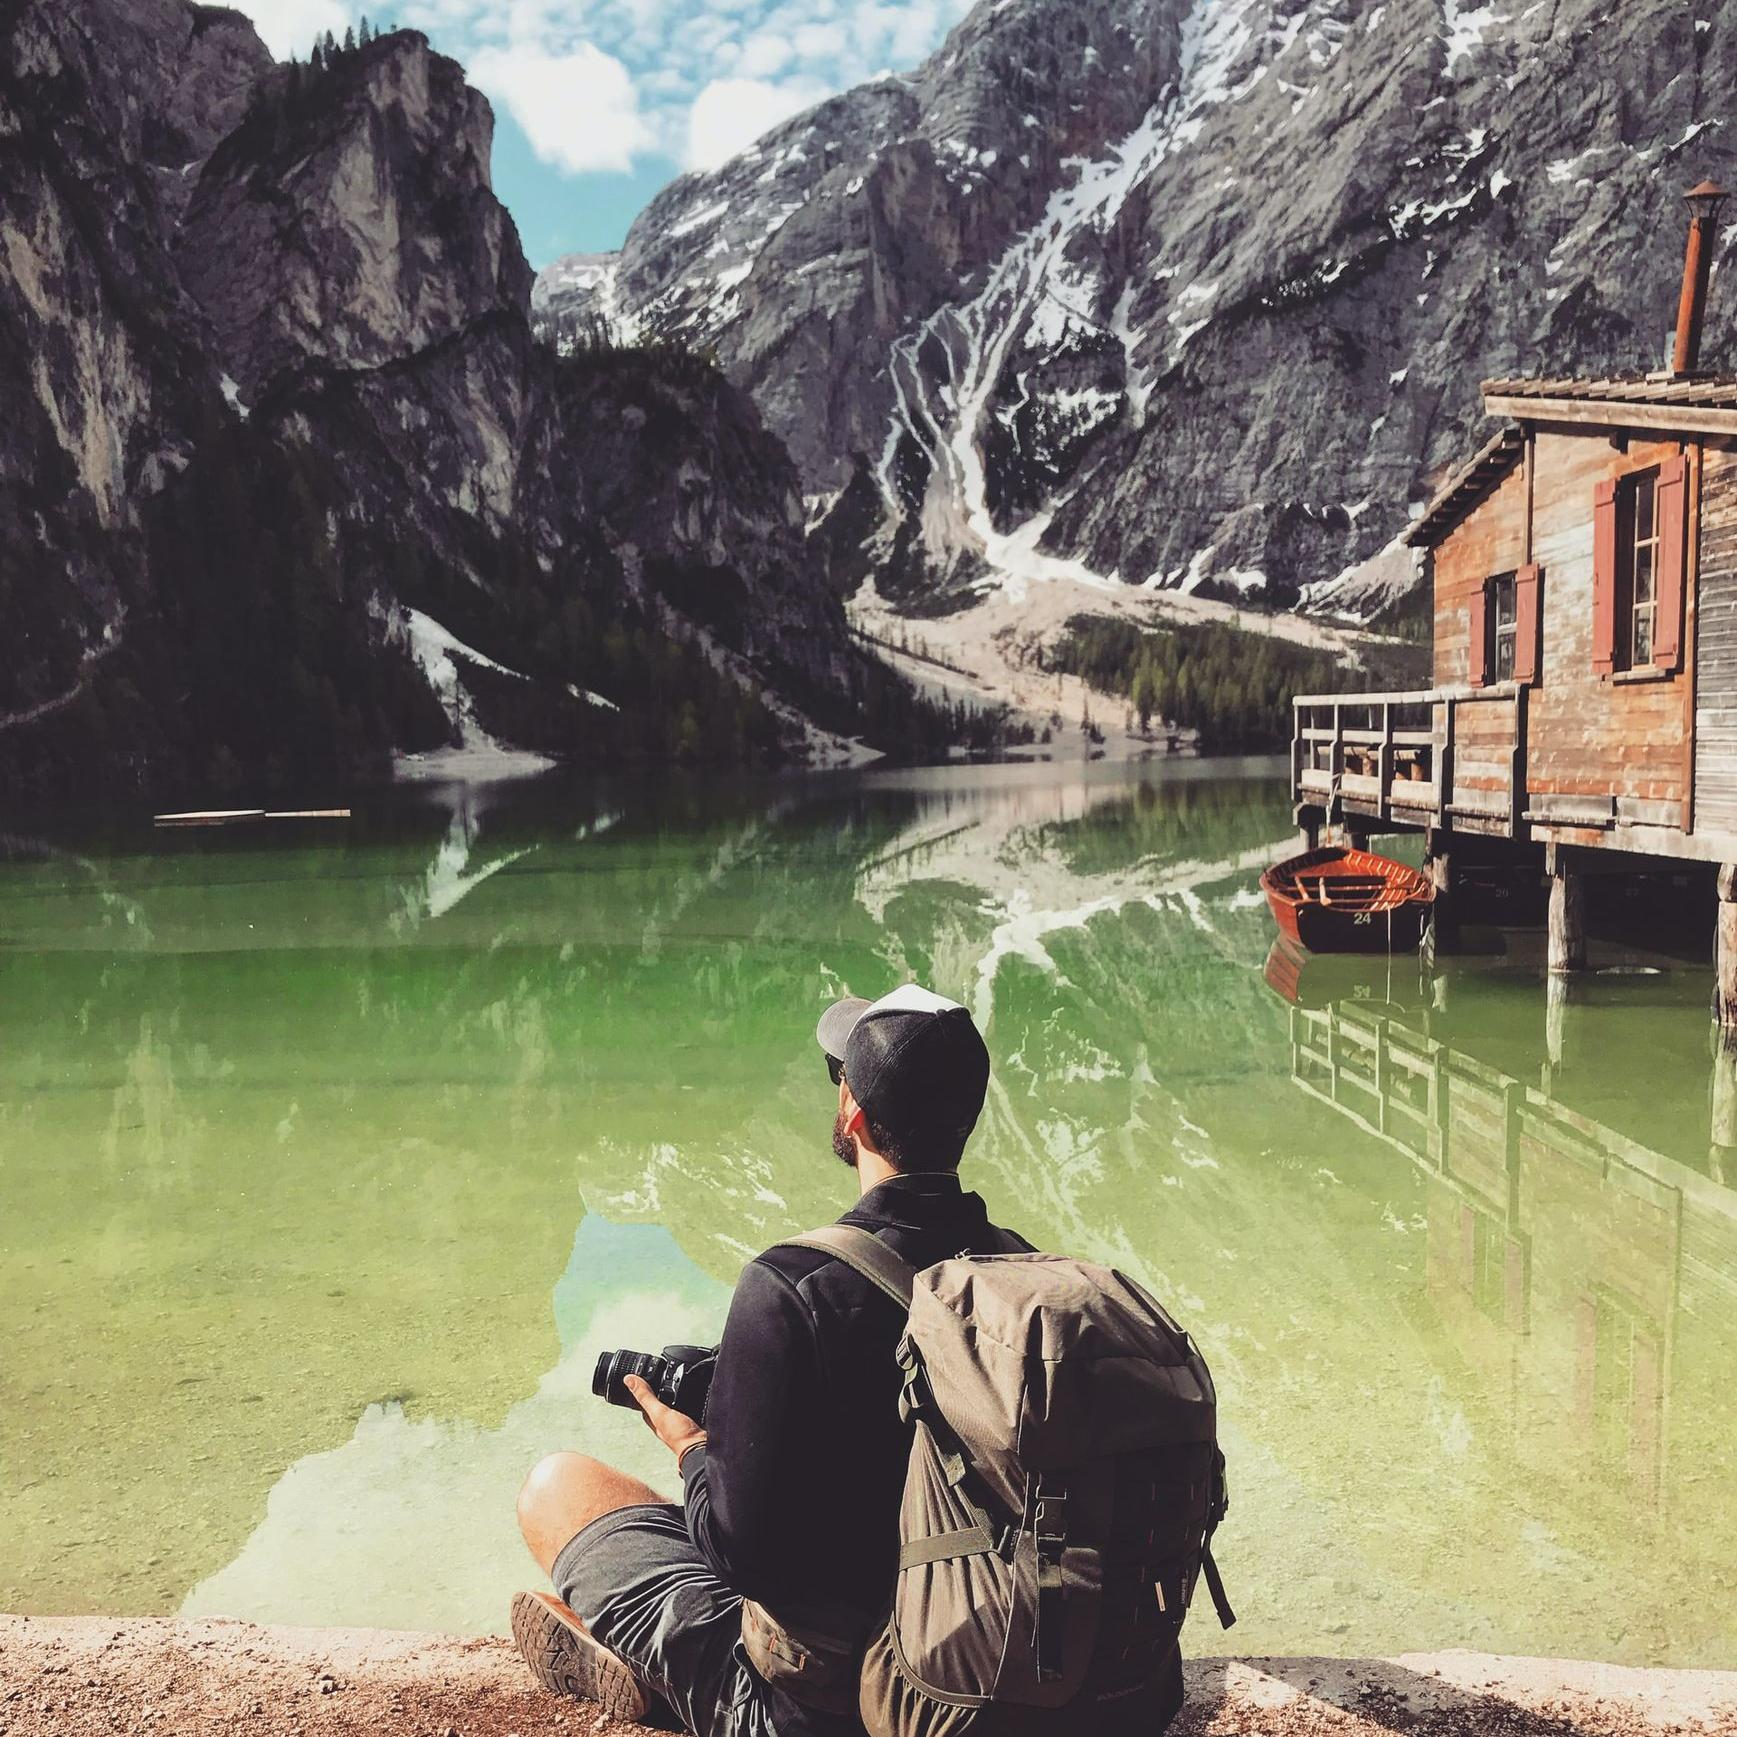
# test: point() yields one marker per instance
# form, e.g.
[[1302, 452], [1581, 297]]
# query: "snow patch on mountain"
[[1365, 589], [1463, 28], [478, 754]]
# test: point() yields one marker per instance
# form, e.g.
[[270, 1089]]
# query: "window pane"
[[1505, 603], [1643, 575], [1505, 658], [1643, 636], [1643, 509]]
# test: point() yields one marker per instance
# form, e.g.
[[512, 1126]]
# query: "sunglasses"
[[834, 1069]]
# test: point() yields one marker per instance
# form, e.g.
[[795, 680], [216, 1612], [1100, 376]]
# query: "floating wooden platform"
[[239, 816]]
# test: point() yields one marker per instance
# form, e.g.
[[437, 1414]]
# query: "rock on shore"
[[93, 1674]]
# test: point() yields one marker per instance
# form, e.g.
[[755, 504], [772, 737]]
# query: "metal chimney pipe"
[[1703, 202]]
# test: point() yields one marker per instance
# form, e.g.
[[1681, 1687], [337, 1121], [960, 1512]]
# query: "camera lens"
[[609, 1378]]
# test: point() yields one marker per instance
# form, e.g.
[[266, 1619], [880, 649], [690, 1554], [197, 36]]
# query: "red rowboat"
[[1335, 900]]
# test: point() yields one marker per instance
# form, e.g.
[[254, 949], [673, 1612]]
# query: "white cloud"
[[601, 85], [918, 28], [731, 113], [579, 109], [290, 26], [765, 54], [820, 41]]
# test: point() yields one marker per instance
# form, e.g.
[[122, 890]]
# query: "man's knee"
[[564, 1493], [551, 1487], [555, 1472]]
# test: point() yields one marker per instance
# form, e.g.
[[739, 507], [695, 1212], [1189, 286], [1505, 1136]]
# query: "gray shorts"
[[639, 1584]]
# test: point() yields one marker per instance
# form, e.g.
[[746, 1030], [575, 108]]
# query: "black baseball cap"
[[914, 1060]]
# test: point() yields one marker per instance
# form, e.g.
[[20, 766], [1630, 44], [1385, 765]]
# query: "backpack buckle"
[[1050, 1522], [913, 1391], [1049, 1527]]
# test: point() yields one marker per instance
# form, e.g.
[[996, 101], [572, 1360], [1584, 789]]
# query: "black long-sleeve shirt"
[[794, 1498]]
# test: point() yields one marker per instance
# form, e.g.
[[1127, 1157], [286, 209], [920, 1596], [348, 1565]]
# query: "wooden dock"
[[242, 816]]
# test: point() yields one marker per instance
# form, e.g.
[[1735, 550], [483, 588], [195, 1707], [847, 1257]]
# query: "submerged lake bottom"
[[332, 1155]]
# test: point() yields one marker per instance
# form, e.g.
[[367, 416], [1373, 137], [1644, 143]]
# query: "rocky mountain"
[[287, 484], [1190, 294]]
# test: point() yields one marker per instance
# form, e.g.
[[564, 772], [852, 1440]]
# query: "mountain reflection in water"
[[330, 1161]]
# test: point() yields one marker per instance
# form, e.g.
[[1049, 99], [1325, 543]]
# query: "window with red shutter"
[[1480, 638], [1672, 496], [1604, 542], [1528, 618]]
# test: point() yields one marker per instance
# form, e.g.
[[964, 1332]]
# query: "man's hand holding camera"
[[670, 1387], [675, 1429]]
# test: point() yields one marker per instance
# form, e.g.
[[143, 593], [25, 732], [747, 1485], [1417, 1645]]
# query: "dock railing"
[[1426, 757]]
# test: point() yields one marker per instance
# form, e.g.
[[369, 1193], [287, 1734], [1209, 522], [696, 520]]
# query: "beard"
[[842, 1143]]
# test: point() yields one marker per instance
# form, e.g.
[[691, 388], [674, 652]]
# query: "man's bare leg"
[[565, 1493]]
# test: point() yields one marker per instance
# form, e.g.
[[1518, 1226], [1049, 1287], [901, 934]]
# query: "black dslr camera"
[[680, 1375]]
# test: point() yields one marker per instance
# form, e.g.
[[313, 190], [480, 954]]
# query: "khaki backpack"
[[1063, 1488]]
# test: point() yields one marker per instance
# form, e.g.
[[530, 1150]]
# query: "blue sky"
[[599, 102]]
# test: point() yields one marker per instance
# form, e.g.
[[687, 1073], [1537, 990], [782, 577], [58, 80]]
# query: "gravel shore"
[[90, 1674]]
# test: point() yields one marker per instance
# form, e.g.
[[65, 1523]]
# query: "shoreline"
[[160, 1676]]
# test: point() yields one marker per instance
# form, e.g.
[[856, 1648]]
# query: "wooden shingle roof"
[[1675, 403], [1683, 404], [1466, 487], [1624, 389]]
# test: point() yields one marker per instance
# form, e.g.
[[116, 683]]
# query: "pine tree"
[[1144, 692], [365, 36], [350, 40]]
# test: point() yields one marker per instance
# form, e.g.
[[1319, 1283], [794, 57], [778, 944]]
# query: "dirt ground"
[[89, 1674], [988, 655]]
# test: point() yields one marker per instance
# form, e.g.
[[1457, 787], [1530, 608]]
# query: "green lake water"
[[329, 1158]]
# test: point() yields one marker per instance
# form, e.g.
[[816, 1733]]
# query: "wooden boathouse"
[[1583, 570]]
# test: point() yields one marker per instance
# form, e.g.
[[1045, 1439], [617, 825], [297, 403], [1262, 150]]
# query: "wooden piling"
[[1559, 992], [1722, 1133], [1567, 916], [1725, 955], [1438, 865]]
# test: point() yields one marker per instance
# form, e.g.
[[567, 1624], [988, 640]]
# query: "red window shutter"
[[1478, 662], [1527, 620], [1604, 576], [1673, 511]]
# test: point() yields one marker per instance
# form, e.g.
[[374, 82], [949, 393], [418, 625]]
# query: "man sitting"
[[792, 1483]]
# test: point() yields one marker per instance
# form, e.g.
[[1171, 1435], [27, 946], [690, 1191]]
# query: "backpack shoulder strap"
[[864, 1253]]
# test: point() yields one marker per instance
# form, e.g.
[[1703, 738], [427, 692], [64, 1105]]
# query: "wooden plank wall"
[[1484, 754], [1587, 735], [1716, 649], [1593, 735], [1490, 539]]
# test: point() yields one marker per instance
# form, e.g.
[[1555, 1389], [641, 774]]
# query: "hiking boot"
[[567, 1661]]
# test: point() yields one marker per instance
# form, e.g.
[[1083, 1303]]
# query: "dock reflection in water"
[[1585, 1281]]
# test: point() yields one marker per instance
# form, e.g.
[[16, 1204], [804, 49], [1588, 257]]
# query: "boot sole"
[[567, 1661]]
